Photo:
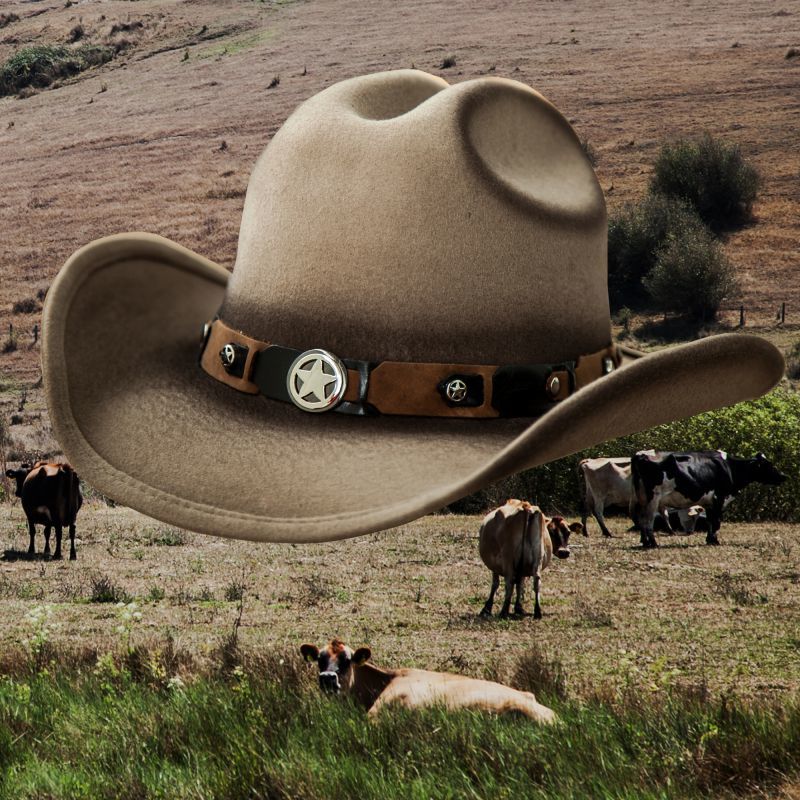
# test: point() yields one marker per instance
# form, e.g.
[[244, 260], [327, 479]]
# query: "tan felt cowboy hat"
[[419, 307]]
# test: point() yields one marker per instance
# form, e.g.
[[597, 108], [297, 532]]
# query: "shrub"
[[38, 66], [635, 236], [712, 176], [692, 274], [767, 425], [104, 590], [26, 306]]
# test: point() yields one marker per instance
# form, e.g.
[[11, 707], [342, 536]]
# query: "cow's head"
[[762, 470], [559, 535], [19, 476], [335, 662]]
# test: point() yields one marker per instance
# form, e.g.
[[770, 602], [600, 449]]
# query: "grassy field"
[[729, 616], [675, 672]]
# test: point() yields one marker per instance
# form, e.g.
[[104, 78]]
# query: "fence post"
[[782, 315], [741, 316]]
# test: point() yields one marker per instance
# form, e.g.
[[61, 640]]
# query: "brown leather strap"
[[401, 387]]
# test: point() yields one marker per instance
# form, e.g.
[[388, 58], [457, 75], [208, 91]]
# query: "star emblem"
[[313, 379], [317, 380]]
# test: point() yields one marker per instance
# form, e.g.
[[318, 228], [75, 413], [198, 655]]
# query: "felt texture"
[[140, 420], [391, 218], [467, 228]]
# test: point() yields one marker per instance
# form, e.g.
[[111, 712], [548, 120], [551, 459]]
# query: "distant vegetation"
[[712, 176], [769, 424], [662, 251], [38, 66]]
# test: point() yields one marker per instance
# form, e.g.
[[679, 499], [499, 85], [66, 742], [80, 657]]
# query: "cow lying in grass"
[[51, 496], [517, 541], [341, 671]]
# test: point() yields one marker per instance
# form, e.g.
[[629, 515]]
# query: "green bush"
[[692, 274], [38, 66], [712, 176], [635, 236], [770, 425]]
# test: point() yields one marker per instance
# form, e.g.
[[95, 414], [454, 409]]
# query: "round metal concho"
[[456, 391], [317, 380]]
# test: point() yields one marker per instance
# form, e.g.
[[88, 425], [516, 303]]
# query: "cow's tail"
[[528, 545], [73, 491]]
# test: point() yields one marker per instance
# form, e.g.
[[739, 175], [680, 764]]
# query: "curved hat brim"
[[142, 423]]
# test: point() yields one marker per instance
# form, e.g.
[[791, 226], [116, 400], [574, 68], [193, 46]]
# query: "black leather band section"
[[271, 369], [520, 390], [361, 408]]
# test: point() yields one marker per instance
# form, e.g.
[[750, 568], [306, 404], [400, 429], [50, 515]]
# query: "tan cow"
[[341, 671], [517, 541]]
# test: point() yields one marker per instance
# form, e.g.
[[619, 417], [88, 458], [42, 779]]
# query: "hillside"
[[162, 137]]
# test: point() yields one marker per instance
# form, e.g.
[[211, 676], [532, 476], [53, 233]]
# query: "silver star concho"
[[317, 380]]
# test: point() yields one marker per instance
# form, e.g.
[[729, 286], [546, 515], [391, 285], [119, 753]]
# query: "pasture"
[[728, 616], [676, 670]]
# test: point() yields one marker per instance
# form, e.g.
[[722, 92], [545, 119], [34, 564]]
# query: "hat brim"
[[142, 423]]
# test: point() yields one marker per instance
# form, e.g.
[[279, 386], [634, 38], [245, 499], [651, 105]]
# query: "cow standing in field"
[[517, 541], [341, 671], [51, 496], [709, 479], [607, 482]]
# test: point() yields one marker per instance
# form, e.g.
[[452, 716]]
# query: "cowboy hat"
[[418, 307]]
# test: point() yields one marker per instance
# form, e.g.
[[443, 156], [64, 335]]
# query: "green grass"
[[38, 66], [102, 734]]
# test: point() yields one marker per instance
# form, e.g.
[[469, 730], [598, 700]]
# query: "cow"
[[51, 496], [607, 482], [710, 479], [517, 541], [342, 671]]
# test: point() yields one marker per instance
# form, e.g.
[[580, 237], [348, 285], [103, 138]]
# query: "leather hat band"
[[316, 380]]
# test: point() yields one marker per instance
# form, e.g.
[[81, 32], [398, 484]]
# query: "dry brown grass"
[[613, 614]]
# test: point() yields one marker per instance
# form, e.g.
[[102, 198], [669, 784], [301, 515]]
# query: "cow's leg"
[[668, 529], [57, 554], [598, 512], [509, 588], [518, 609], [486, 611], [537, 608], [72, 554], [32, 532], [714, 516], [46, 551]]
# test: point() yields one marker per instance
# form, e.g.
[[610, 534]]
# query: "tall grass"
[[272, 736]]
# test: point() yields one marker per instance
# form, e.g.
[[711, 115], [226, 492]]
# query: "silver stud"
[[317, 380], [228, 355], [608, 365], [456, 391], [553, 386], [206, 330]]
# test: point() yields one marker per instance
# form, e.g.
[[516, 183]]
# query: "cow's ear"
[[10, 473], [576, 527], [361, 656], [309, 652]]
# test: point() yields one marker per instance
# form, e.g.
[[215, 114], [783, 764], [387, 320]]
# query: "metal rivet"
[[228, 355], [553, 385], [317, 380], [456, 391], [608, 365], [206, 330]]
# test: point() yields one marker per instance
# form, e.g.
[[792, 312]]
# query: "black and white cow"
[[681, 480]]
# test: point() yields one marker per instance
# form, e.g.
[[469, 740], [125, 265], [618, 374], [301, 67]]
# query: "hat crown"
[[394, 217]]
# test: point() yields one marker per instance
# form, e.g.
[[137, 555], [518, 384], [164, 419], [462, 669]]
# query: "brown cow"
[[343, 672], [51, 496], [517, 541]]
